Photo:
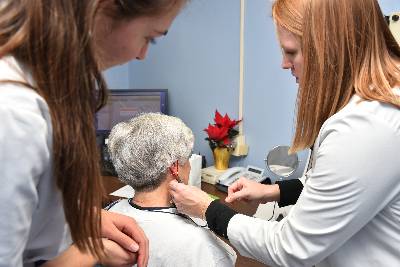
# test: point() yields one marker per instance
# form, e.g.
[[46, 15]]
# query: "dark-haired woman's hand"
[[116, 256], [126, 232]]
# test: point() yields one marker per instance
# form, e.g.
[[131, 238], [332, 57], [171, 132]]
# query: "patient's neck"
[[159, 197]]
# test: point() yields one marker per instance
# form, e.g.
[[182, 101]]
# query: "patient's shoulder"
[[177, 241], [194, 245]]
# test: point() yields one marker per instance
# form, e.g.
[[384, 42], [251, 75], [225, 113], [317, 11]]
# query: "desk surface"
[[111, 184]]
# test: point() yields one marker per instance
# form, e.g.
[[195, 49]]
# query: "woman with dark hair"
[[347, 64], [52, 53]]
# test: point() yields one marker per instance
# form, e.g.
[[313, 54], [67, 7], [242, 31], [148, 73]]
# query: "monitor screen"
[[122, 105]]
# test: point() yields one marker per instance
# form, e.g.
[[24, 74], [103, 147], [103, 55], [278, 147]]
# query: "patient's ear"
[[174, 169]]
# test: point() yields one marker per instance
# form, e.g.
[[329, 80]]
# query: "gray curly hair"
[[143, 148]]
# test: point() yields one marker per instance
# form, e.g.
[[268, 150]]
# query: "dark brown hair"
[[129, 9], [53, 39]]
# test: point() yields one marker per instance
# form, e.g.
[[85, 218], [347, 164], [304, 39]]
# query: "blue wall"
[[389, 6], [118, 77], [199, 64]]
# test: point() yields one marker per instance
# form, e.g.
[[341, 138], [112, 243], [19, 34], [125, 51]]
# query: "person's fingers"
[[131, 258], [117, 254], [172, 185], [232, 188], [140, 243], [121, 229], [124, 240], [143, 242], [143, 256], [236, 196], [236, 186], [173, 191], [126, 233], [177, 190]]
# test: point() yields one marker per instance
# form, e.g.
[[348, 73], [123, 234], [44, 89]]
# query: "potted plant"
[[220, 138]]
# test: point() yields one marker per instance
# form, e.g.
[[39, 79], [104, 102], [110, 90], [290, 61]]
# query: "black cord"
[[110, 204], [159, 210], [273, 212], [180, 215]]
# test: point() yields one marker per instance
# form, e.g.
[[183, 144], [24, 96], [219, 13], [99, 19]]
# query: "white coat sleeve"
[[24, 153], [355, 175]]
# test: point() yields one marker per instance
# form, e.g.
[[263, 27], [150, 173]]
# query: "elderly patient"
[[148, 152]]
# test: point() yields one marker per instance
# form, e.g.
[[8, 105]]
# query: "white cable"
[[241, 64]]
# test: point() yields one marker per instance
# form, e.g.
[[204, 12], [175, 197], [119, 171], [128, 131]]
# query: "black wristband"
[[290, 191], [218, 216]]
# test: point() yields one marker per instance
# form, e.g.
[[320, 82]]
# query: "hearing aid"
[[175, 173]]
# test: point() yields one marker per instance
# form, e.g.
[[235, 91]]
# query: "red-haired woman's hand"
[[189, 200], [251, 191]]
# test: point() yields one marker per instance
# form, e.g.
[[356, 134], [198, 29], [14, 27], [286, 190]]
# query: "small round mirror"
[[279, 161]]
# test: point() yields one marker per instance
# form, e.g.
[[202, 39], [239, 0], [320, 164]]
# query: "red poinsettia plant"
[[222, 132]]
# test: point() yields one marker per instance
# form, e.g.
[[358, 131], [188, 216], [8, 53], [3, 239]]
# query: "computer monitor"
[[123, 105]]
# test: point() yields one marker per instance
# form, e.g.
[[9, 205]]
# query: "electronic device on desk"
[[211, 175], [233, 174], [123, 105]]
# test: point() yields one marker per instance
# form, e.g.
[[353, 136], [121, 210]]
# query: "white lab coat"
[[349, 211], [32, 222]]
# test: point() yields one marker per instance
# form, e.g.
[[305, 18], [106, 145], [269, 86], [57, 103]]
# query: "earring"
[[173, 172]]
